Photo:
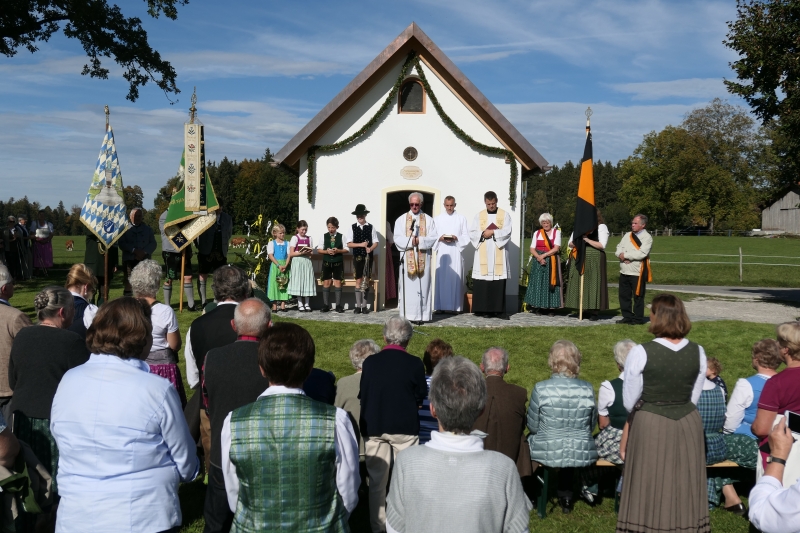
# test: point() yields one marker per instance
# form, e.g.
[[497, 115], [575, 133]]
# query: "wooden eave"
[[412, 38]]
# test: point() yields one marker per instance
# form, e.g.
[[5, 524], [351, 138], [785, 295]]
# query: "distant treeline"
[[716, 169]]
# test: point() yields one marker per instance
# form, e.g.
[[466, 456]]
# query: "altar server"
[[453, 238]]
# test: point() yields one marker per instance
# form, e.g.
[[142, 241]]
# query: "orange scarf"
[[644, 269], [553, 265]]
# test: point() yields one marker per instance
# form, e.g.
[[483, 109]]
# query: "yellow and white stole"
[[415, 261], [499, 258]]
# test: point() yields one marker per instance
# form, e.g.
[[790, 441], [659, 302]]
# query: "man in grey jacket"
[[633, 252]]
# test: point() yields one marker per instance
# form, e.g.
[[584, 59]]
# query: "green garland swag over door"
[[411, 61]]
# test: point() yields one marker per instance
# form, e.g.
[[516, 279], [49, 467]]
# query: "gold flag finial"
[[108, 112], [193, 109]]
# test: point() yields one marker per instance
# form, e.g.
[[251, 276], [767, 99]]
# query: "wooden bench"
[[349, 280], [547, 472]]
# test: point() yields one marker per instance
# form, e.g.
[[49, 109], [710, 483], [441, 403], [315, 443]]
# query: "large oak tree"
[[766, 35], [103, 31]]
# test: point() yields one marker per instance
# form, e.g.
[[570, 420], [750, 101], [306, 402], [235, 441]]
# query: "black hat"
[[361, 210]]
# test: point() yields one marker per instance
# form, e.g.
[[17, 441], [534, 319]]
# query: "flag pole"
[[105, 274], [580, 308], [183, 269]]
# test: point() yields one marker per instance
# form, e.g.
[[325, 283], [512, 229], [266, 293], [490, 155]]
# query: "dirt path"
[[709, 308]]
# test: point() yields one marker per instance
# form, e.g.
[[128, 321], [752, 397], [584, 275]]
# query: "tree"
[[134, 197], [765, 35], [102, 30], [703, 172]]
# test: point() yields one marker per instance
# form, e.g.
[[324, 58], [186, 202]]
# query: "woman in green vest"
[[611, 412], [665, 462]]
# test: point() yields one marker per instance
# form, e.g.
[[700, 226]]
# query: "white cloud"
[[557, 129], [51, 156], [707, 88]]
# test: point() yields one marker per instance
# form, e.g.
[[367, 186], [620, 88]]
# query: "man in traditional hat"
[[362, 239], [490, 234], [415, 236], [453, 238]]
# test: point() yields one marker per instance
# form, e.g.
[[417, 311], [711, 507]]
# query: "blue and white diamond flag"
[[104, 210]]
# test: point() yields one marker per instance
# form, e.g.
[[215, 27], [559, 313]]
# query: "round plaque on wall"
[[410, 153]]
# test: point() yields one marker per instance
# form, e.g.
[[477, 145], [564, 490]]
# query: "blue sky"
[[264, 68]]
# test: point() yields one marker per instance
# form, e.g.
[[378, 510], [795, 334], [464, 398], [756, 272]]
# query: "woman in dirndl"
[[544, 281], [42, 248], [302, 283], [595, 281], [278, 252], [163, 357], [40, 356], [665, 460]]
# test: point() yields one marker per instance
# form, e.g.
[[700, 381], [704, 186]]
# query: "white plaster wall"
[[362, 172]]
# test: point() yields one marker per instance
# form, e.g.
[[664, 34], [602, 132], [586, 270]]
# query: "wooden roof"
[[412, 38]]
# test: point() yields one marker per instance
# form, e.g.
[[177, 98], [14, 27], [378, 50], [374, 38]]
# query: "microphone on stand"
[[413, 221]]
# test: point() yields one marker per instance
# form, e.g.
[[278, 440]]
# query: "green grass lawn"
[[716, 261], [729, 341]]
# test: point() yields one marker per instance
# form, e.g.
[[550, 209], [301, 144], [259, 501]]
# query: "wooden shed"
[[784, 213]]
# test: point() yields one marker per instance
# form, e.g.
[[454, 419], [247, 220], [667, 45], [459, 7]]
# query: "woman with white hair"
[[163, 358], [348, 387], [611, 409], [452, 483], [544, 279], [561, 416]]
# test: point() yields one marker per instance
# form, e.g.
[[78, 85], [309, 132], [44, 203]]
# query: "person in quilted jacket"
[[561, 415]]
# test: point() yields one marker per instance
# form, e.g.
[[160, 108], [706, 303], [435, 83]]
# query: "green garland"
[[411, 60]]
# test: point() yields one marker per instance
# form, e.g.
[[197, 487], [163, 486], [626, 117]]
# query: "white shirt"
[[741, 398], [634, 366], [774, 509], [606, 396], [164, 321], [192, 372], [344, 441], [348, 236], [602, 235]]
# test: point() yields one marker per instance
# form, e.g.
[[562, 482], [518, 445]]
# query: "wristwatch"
[[771, 459]]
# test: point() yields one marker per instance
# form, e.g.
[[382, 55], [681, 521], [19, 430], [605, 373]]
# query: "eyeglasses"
[[412, 205]]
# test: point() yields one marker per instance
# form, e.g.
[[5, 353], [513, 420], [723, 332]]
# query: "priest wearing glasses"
[[490, 233], [415, 236]]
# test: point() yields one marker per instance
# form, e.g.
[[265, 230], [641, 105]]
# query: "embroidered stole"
[[415, 261], [483, 222], [644, 269], [553, 265]]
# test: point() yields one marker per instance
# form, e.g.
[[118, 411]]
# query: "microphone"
[[413, 221]]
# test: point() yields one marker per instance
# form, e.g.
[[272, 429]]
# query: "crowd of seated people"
[[433, 441]]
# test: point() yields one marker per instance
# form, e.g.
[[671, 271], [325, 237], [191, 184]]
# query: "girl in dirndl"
[[278, 250], [302, 283], [595, 292], [544, 282]]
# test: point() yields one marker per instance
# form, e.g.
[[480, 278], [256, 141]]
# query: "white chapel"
[[410, 147]]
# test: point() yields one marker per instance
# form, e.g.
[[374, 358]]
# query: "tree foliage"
[[706, 171], [556, 192], [765, 35], [102, 30]]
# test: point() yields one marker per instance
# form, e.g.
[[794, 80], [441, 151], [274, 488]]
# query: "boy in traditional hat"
[[332, 251], [362, 241]]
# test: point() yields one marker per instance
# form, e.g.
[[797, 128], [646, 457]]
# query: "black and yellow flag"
[[585, 209]]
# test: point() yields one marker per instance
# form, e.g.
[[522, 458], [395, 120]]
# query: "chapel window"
[[412, 97]]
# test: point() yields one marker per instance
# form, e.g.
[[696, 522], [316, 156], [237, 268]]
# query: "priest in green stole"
[[490, 233]]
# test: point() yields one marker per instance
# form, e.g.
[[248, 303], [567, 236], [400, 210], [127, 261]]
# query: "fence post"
[[740, 264]]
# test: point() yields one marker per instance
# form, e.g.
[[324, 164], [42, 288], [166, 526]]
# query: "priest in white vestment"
[[453, 238], [414, 286], [490, 234]]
